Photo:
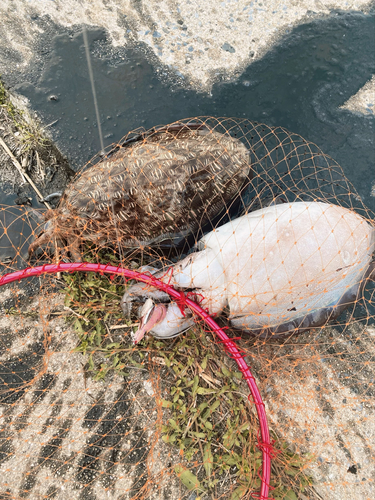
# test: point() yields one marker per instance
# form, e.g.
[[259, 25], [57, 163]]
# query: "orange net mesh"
[[264, 231]]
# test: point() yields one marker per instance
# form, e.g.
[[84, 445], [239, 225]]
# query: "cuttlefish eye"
[[48, 225]]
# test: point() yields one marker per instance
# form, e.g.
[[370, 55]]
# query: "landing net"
[[278, 246]]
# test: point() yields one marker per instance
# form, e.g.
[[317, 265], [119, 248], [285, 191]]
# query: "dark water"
[[300, 85]]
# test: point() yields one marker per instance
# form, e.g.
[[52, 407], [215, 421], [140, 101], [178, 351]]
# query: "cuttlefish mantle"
[[278, 270]]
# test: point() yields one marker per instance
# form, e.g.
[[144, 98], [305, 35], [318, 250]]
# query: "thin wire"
[[91, 75]]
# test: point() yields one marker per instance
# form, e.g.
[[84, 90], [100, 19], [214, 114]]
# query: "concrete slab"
[[364, 100], [319, 396], [67, 436], [194, 38]]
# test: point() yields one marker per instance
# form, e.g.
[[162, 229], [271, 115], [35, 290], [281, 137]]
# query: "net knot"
[[258, 496], [240, 353], [167, 276], [182, 304], [267, 447], [272, 452]]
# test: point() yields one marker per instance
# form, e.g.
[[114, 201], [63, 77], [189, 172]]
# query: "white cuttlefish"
[[278, 270]]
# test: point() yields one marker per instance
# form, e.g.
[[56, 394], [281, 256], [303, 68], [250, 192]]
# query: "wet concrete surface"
[[364, 100], [63, 435]]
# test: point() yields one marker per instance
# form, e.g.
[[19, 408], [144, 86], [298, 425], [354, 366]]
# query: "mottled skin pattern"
[[159, 188]]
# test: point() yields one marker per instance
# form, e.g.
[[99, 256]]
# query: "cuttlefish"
[[278, 270], [154, 189]]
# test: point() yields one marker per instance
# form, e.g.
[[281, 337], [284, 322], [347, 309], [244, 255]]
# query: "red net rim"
[[264, 443]]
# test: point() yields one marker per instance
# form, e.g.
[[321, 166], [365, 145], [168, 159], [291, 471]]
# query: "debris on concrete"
[[364, 100], [27, 156]]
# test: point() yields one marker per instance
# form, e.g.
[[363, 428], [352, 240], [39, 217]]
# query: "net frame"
[[269, 145], [232, 350]]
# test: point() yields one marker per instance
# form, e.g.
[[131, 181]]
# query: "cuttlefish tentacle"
[[164, 321], [43, 239]]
